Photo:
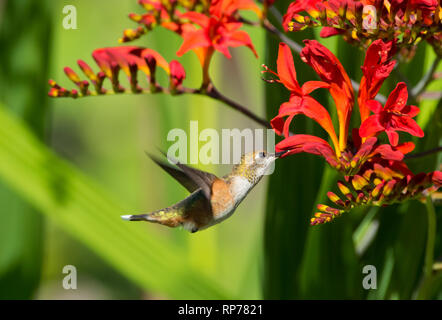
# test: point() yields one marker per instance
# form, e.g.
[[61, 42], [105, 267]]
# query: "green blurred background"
[[69, 169]]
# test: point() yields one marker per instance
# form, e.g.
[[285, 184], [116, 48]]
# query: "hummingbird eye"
[[262, 154]]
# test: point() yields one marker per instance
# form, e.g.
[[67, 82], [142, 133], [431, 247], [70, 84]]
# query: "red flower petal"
[[410, 111], [309, 107], [407, 124], [388, 153], [197, 18], [371, 126], [393, 137], [330, 70], [192, 40], [310, 86], [307, 143], [377, 67], [286, 68], [329, 32], [406, 147], [397, 98], [240, 38], [177, 73], [436, 177], [374, 106]]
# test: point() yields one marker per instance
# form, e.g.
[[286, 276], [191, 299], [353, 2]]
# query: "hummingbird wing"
[[175, 173], [203, 179], [189, 177]]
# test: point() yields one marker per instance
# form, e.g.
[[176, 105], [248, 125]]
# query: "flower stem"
[[211, 92], [205, 66], [215, 94], [423, 153], [429, 251], [426, 79]]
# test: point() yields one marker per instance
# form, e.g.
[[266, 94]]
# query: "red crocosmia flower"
[[123, 57], [228, 8], [309, 107], [287, 74], [329, 32], [300, 102], [310, 144], [330, 70], [177, 73], [296, 7], [377, 67], [347, 158], [395, 116], [218, 32], [392, 19]]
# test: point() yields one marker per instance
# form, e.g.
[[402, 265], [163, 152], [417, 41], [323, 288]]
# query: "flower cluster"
[[375, 173], [205, 27], [381, 183], [111, 61], [360, 22]]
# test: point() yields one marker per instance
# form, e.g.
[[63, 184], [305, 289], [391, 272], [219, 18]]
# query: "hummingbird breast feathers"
[[240, 187]]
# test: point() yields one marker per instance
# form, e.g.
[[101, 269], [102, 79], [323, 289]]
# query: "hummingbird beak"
[[279, 154]]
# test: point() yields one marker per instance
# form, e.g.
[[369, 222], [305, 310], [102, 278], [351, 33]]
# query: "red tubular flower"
[[230, 7], [218, 32], [296, 7], [406, 21], [365, 147], [377, 67], [310, 144], [308, 107], [300, 102], [125, 56], [287, 74], [330, 70], [395, 116], [177, 73], [130, 59], [381, 183]]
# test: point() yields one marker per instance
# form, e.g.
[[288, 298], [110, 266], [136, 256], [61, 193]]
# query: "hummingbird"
[[212, 199]]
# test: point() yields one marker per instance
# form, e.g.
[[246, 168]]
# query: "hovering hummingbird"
[[212, 199]]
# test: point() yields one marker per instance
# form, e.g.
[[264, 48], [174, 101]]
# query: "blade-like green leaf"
[[291, 191], [23, 72]]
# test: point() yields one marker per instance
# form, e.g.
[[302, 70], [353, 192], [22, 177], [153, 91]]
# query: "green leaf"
[[291, 193], [23, 72], [83, 209]]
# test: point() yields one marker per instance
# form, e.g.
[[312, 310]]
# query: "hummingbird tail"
[[156, 217], [137, 217]]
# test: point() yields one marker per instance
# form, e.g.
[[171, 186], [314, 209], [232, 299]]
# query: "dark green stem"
[[429, 251]]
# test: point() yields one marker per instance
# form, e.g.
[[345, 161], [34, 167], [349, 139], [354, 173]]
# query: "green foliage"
[[22, 86], [291, 193]]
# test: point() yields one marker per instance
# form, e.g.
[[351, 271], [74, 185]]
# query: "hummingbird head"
[[254, 165]]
